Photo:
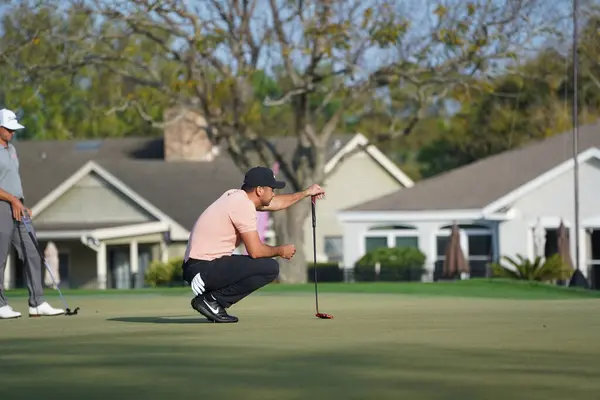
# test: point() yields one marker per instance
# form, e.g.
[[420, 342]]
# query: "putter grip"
[[314, 214]]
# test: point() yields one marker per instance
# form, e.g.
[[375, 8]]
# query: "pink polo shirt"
[[216, 232]]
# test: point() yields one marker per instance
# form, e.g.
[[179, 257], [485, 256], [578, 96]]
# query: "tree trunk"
[[289, 229]]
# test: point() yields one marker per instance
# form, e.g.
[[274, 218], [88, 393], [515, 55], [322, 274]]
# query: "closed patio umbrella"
[[564, 250], [455, 261], [51, 256], [577, 278]]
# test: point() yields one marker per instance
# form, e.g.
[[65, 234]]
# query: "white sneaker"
[[7, 312], [44, 309]]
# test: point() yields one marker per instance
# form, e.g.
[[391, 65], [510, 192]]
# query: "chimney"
[[185, 136]]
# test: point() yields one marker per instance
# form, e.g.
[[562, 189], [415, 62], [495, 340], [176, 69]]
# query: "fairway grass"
[[472, 288], [384, 346]]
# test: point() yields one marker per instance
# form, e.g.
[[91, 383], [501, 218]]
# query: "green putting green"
[[379, 346], [478, 288]]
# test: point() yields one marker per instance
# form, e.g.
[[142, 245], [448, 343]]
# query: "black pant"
[[231, 278]]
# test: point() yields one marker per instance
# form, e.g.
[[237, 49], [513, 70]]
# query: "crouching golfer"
[[220, 279]]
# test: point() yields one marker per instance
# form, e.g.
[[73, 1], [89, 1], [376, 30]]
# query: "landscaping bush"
[[326, 272], [396, 264], [165, 274], [551, 269]]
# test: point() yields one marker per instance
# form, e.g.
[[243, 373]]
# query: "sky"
[[419, 13]]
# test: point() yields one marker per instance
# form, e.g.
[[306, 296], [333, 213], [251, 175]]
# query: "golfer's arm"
[[256, 248], [283, 201], [7, 196]]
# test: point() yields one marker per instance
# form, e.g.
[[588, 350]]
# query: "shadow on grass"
[[162, 320], [148, 365]]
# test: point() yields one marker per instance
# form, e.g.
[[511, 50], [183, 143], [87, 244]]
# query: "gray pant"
[[13, 232]]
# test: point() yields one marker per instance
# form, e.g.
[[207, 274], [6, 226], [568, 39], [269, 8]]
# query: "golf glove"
[[197, 285]]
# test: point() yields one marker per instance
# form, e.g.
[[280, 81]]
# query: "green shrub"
[[551, 269], [175, 265], [326, 272], [396, 264], [165, 274]]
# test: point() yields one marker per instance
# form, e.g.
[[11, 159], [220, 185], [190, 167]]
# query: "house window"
[[334, 248], [551, 243], [480, 245], [480, 253], [375, 242], [442, 243], [406, 241], [391, 236]]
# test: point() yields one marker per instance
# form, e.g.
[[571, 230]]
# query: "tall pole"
[[575, 129]]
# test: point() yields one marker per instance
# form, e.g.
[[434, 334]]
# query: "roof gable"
[[360, 141], [78, 206], [178, 231]]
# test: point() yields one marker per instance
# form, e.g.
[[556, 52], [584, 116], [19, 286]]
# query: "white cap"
[[8, 119]]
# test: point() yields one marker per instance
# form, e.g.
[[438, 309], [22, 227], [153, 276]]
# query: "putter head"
[[69, 312], [324, 316]]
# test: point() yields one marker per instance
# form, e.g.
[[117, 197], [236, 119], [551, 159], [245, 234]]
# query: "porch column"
[[133, 256], [101, 270], [134, 263], [164, 252], [352, 243], [8, 273], [428, 245], [495, 227]]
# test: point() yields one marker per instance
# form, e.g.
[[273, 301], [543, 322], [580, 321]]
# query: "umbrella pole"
[[576, 130], [577, 279]]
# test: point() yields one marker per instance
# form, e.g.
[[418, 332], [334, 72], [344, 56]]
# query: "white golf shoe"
[[7, 312], [45, 310]]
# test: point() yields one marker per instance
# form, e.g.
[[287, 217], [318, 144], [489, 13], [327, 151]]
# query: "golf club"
[[28, 226], [314, 226]]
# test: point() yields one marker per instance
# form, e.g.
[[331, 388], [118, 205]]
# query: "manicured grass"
[[474, 288], [382, 346]]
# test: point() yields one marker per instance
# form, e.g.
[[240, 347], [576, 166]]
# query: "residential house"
[[499, 202], [111, 206]]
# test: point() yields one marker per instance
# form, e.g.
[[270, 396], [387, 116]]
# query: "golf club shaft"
[[314, 226], [26, 222]]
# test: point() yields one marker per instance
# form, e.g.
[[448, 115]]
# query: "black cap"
[[262, 176]]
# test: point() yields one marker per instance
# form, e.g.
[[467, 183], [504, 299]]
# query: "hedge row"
[[165, 274], [382, 264]]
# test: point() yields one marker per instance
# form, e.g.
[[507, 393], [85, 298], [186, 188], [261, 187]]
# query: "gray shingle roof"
[[180, 189], [75, 226], [476, 185]]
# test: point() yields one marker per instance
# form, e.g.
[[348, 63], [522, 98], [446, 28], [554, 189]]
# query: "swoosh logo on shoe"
[[214, 310]]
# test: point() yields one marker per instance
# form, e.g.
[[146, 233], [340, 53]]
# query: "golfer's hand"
[[316, 191], [288, 251], [18, 209], [197, 285]]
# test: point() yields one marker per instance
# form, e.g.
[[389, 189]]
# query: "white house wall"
[[93, 200], [426, 230], [357, 180], [551, 202]]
